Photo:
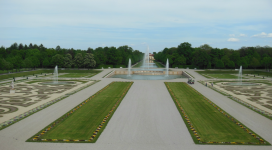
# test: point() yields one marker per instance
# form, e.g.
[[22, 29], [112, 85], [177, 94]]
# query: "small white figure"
[[12, 85]]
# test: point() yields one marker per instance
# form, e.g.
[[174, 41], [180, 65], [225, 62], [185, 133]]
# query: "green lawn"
[[223, 76], [159, 64], [77, 75], [84, 121], [210, 124], [138, 65]]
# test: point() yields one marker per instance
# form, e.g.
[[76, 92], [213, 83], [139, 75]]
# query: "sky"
[[80, 24]]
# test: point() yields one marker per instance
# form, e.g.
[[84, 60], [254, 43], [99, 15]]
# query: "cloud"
[[242, 35], [233, 40], [232, 35], [262, 35]]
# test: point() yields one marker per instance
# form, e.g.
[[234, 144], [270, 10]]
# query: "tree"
[[78, 60], [185, 49], [266, 62], [35, 62], [68, 62], [205, 47], [21, 46], [181, 60], [46, 63], [254, 63], [14, 46], [30, 45], [58, 48], [220, 64], [243, 62], [57, 60], [231, 64], [235, 57], [225, 60], [28, 63], [89, 60], [201, 58]]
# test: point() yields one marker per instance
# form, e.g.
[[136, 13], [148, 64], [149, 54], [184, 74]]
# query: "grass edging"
[[253, 108], [108, 74], [41, 107], [189, 74], [98, 130], [197, 139]]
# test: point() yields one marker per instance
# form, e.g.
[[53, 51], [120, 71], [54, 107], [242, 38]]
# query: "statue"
[[12, 85], [12, 90]]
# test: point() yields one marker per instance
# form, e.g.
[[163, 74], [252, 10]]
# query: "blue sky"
[[137, 23]]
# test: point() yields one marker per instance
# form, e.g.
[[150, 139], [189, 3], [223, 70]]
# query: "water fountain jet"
[[129, 67], [167, 68]]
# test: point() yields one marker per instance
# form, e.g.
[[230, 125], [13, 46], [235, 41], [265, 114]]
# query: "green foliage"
[[57, 60], [68, 62], [89, 60], [220, 64], [78, 60]]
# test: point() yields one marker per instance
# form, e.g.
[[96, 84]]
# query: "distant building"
[[151, 56]]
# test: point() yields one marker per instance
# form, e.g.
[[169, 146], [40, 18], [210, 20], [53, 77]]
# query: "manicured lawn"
[[210, 124], [83, 122], [223, 76], [77, 75], [138, 65], [158, 64]]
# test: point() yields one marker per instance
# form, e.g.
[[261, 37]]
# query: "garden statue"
[[12, 90], [12, 85]]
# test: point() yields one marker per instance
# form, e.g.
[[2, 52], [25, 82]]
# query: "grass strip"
[[138, 65], [85, 122], [41, 107], [208, 123], [159, 64], [108, 74], [189, 74]]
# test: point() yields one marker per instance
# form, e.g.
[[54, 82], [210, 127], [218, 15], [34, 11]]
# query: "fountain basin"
[[147, 77]]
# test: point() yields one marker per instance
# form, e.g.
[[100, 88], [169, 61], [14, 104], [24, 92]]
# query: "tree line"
[[207, 57], [19, 56]]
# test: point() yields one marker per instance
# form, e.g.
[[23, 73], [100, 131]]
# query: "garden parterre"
[[31, 97]]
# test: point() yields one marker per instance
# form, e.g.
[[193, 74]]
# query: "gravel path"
[[147, 119]]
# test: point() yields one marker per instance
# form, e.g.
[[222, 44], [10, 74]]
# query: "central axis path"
[[147, 115]]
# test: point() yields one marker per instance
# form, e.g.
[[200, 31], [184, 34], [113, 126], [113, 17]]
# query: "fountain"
[[240, 80], [129, 67], [55, 78], [146, 59], [167, 68], [148, 71]]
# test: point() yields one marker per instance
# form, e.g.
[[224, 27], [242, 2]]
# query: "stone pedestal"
[[12, 91]]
